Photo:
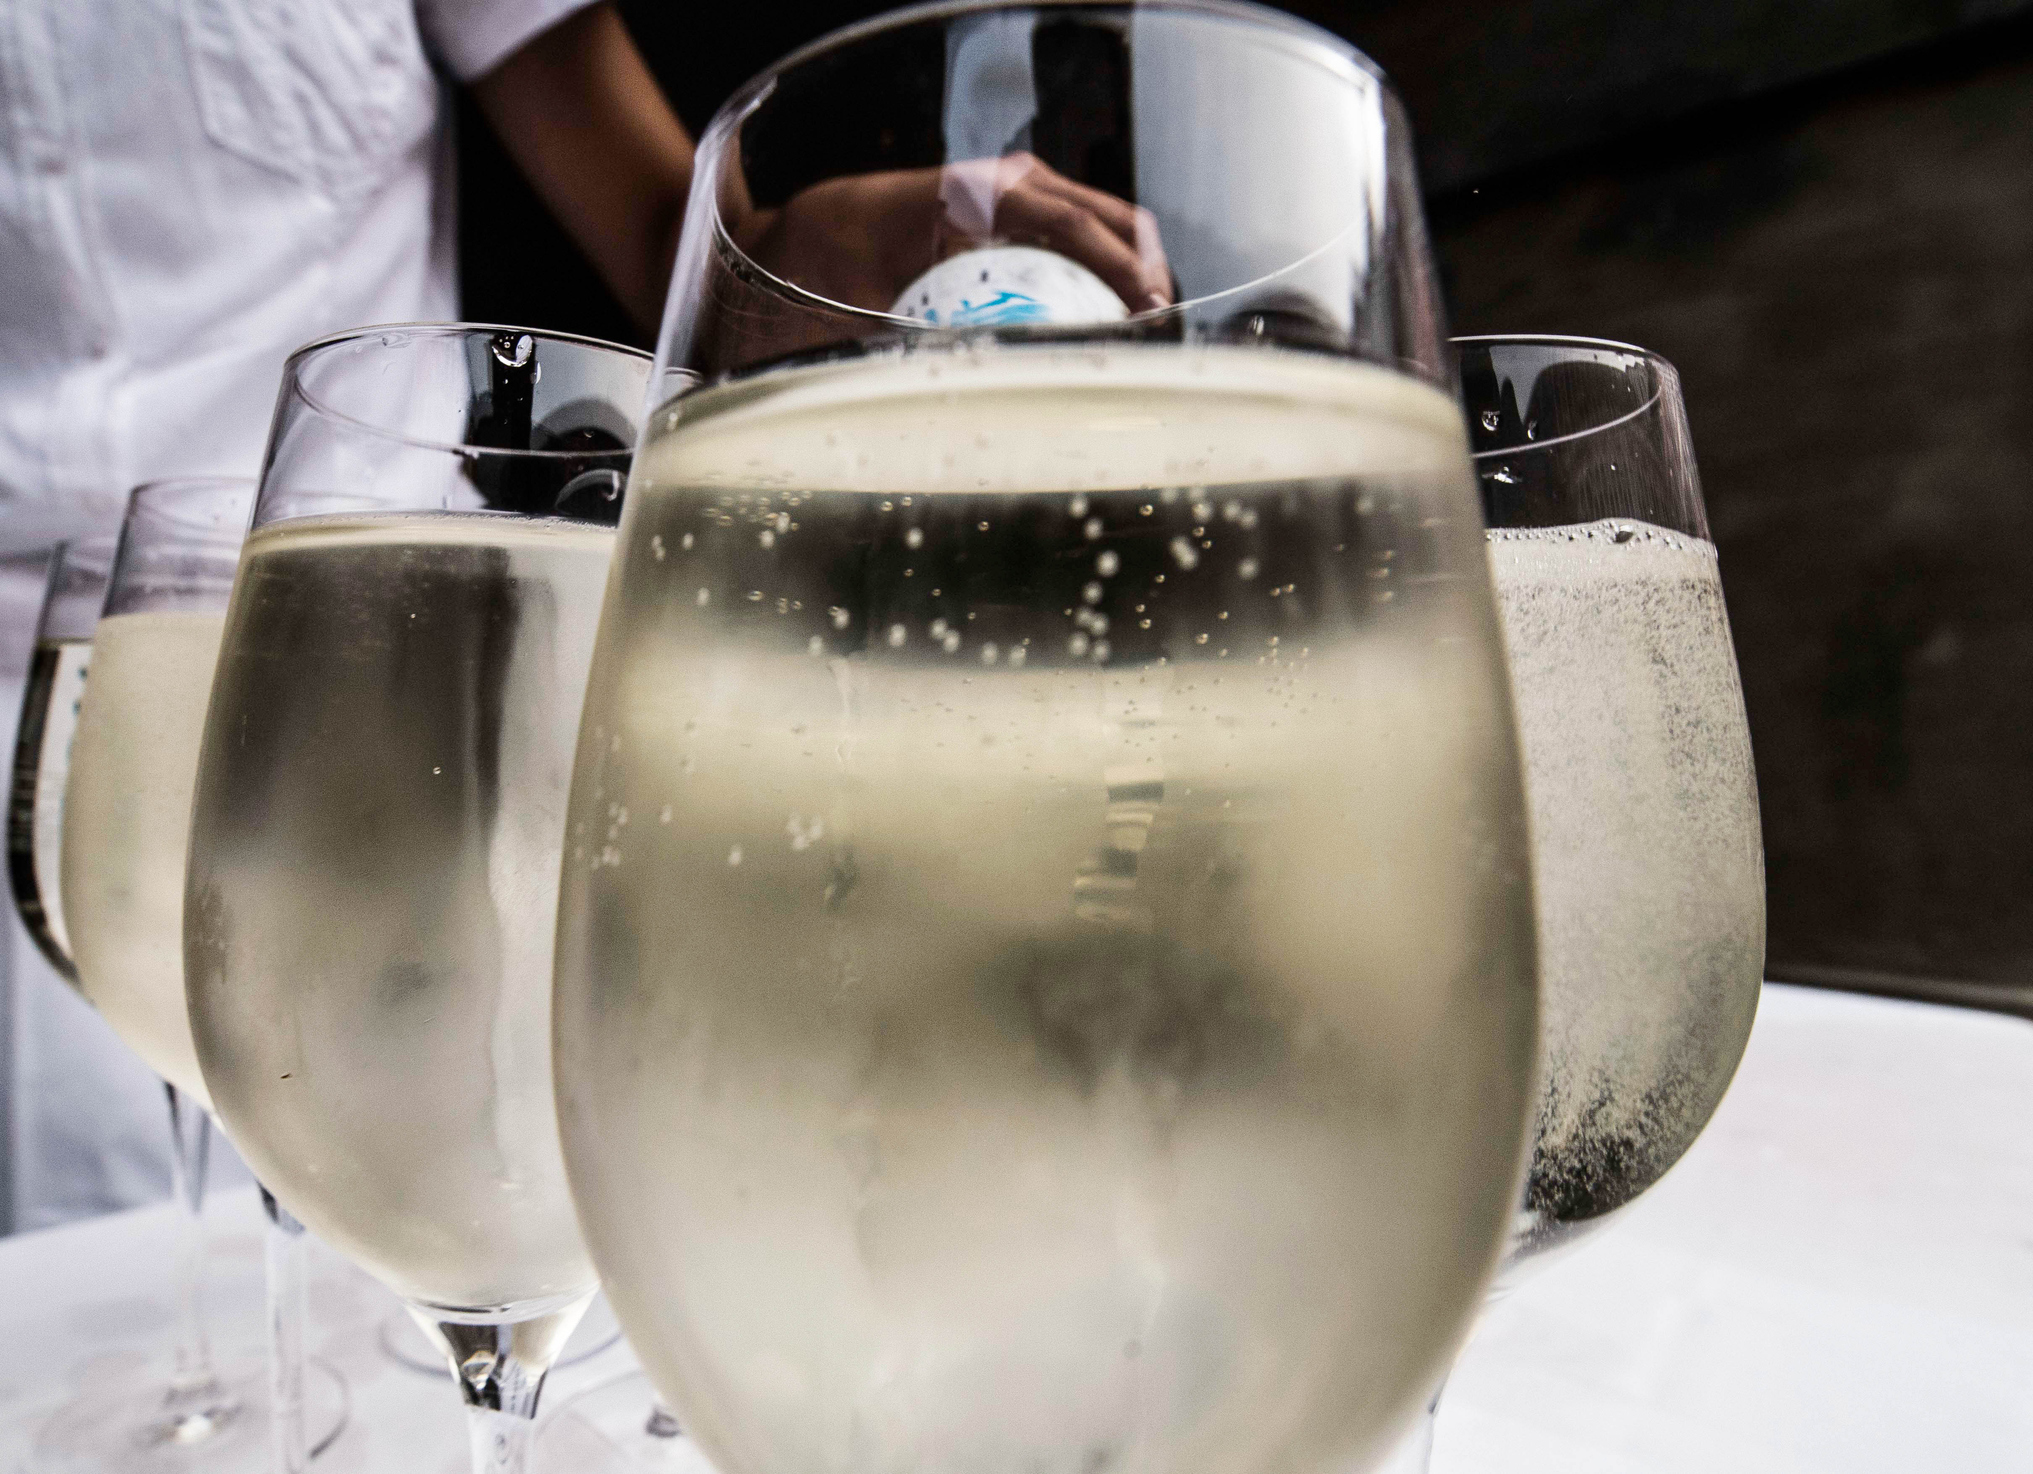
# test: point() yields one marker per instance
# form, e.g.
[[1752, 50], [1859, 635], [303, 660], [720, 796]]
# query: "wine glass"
[[1046, 976], [1644, 802], [123, 826], [73, 594], [379, 812]]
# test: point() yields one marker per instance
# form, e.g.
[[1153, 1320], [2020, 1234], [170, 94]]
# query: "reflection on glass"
[[72, 598]]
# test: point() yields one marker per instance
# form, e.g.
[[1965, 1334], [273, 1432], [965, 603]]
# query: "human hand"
[[861, 239]]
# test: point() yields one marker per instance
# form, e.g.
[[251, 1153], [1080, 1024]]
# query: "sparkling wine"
[[1046, 958], [35, 811], [1650, 871], [126, 828], [374, 887]]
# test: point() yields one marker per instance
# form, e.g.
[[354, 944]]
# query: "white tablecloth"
[[1837, 1280]]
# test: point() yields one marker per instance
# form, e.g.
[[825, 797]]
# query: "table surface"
[[1838, 1279]]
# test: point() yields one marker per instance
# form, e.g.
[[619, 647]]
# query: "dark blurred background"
[[1822, 211]]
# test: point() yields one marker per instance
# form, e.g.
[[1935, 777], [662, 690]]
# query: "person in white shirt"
[[191, 189]]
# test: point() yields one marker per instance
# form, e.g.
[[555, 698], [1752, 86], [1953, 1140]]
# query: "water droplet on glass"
[[1077, 645], [1107, 564], [1100, 651], [897, 635], [766, 538], [734, 855], [1200, 639], [1078, 506], [1491, 419], [685, 542], [755, 596], [1246, 569], [839, 616], [938, 629], [951, 642], [988, 653], [1503, 477], [705, 597], [1092, 593], [1623, 534], [1184, 553], [981, 527], [1017, 656], [815, 646], [656, 546], [436, 771], [665, 816], [915, 538], [889, 506], [1093, 528]]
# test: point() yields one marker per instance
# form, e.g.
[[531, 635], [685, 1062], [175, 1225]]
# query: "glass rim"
[[1567, 340], [293, 383], [744, 101], [145, 497]]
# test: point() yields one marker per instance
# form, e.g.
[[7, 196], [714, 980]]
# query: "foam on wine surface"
[[1045, 958], [375, 884], [1649, 864], [127, 827]]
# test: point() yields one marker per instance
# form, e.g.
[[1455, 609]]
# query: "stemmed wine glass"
[[122, 818], [1046, 971], [1649, 864], [73, 594], [379, 813]]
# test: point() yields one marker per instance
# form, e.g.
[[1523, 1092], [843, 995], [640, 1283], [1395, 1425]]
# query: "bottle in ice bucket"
[[1009, 286]]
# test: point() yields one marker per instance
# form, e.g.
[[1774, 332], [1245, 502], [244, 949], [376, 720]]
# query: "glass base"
[[614, 1429], [404, 1341], [130, 1421]]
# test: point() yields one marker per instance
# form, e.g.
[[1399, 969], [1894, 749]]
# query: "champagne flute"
[[1650, 868], [72, 597], [1045, 965], [379, 811]]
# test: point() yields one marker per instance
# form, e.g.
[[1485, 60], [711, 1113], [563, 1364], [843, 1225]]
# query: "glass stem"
[[190, 1144], [284, 1244], [500, 1368], [1414, 1453]]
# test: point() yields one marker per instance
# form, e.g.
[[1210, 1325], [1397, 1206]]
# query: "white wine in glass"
[[379, 882], [127, 819], [988, 1037], [1645, 817]]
